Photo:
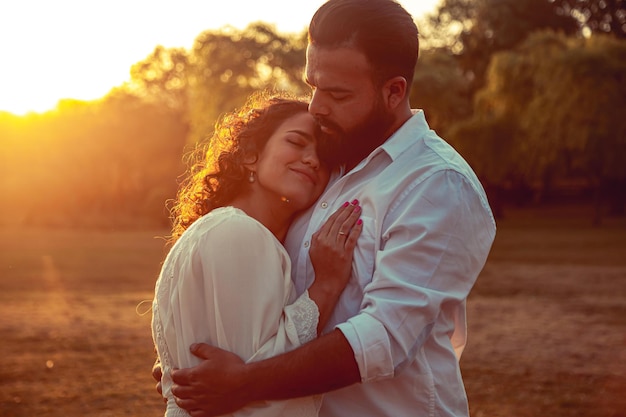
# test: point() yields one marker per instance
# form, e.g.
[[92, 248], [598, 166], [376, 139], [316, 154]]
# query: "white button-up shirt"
[[427, 232]]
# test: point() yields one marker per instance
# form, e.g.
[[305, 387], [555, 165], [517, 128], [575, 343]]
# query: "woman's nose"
[[311, 159]]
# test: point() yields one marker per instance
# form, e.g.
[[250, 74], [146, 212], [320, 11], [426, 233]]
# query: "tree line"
[[531, 92]]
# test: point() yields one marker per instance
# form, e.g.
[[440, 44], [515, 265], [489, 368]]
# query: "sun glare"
[[81, 50]]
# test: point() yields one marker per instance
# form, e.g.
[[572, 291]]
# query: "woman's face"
[[288, 168]]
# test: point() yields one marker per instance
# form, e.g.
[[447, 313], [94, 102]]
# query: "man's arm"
[[223, 383]]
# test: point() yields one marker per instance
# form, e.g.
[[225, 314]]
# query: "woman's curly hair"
[[216, 171]]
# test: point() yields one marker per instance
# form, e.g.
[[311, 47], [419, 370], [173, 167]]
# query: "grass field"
[[547, 321]]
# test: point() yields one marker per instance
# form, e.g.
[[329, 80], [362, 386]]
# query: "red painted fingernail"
[[357, 208], [359, 222], [355, 202], [346, 204]]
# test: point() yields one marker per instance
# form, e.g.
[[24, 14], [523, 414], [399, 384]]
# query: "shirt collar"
[[411, 131]]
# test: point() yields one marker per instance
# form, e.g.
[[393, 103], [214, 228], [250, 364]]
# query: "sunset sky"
[[81, 49]]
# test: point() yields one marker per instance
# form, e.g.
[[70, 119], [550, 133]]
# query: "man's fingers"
[[202, 350], [185, 403], [183, 392], [157, 372], [182, 376]]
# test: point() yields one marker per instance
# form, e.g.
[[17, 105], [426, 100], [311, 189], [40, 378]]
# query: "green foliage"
[[441, 89], [486, 141], [587, 90], [228, 65], [549, 107], [162, 77], [557, 105], [482, 28], [116, 161], [220, 71]]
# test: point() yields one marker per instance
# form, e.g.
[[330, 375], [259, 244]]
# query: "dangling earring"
[[251, 177]]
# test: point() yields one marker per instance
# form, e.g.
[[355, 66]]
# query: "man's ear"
[[395, 91]]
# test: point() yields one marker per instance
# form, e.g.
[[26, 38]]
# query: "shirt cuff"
[[370, 343]]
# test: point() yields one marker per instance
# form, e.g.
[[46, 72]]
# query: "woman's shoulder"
[[231, 234], [230, 224]]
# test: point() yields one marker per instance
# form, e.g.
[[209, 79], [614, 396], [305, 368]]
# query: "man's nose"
[[317, 107]]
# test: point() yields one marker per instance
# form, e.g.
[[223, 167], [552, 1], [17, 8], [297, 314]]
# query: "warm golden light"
[[77, 49]]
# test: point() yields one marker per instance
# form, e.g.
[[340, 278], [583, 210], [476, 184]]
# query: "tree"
[[162, 77], [597, 16], [581, 106], [110, 162], [490, 145], [481, 28], [228, 65], [562, 100], [142, 142], [440, 88], [493, 140]]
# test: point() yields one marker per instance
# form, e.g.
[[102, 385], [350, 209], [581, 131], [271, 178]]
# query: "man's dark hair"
[[381, 29]]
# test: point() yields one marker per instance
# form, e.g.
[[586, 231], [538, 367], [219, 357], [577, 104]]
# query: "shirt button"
[[324, 205], [306, 244]]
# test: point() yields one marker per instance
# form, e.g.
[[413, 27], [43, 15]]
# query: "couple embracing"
[[324, 249]]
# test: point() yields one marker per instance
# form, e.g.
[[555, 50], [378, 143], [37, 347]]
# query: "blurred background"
[[100, 102], [531, 92]]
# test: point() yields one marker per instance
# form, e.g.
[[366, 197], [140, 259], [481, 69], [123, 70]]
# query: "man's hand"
[[157, 373], [214, 387]]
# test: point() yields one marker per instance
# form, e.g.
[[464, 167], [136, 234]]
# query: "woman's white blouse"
[[227, 282]]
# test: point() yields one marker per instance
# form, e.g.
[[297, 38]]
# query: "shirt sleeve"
[[252, 282], [434, 242]]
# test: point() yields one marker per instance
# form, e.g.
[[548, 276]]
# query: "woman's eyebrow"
[[302, 133]]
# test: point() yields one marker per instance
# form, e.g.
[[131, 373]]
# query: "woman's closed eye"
[[339, 95], [297, 140], [299, 144]]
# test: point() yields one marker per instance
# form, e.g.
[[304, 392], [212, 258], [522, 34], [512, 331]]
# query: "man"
[[393, 344]]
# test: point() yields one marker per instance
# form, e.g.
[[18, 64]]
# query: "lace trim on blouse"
[[305, 315]]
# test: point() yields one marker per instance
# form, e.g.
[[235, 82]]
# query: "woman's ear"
[[249, 162], [395, 91]]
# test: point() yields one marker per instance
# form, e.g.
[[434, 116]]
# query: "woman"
[[226, 280]]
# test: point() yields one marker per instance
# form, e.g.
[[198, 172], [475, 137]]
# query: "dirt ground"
[[547, 321]]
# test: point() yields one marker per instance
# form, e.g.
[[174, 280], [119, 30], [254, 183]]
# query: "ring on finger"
[[342, 233]]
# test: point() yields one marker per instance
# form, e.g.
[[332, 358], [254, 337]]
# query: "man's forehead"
[[340, 65]]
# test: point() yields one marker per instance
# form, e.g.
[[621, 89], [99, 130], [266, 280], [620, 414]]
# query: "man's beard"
[[357, 143]]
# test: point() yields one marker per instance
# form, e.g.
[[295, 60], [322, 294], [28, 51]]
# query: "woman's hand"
[[331, 253]]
